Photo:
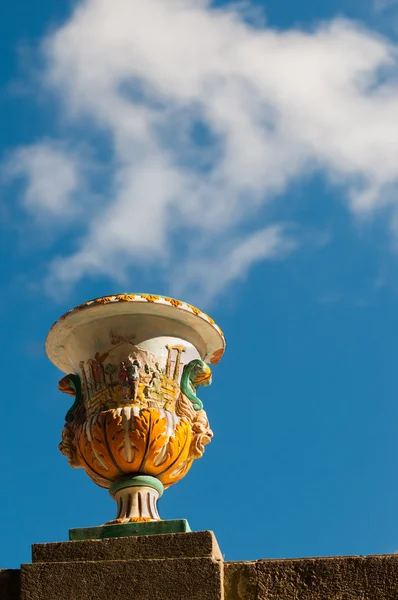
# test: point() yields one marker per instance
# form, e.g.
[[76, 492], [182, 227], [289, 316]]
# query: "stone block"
[[152, 579], [198, 544], [336, 578]]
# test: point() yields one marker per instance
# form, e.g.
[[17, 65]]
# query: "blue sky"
[[244, 159]]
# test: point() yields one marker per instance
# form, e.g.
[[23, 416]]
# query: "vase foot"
[[136, 497], [129, 529], [131, 520]]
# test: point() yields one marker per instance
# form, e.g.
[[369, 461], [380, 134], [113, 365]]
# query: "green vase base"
[[129, 529]]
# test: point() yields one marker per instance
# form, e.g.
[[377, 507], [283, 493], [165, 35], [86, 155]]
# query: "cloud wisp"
[[52, 177], [384, 5], [199, 118]]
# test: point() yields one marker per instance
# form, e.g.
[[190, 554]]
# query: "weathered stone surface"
[[9, 584], [189, 566], [240, 581], [337, 578], [178, 545], [171, 579]]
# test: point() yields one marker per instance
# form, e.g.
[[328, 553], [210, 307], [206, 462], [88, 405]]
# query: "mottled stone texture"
[[167, 579], [337, 578], [160, 567], [9, 584], [189, 566], [199, 544]]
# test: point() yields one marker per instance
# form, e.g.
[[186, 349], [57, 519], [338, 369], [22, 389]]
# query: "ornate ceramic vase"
[[134, 364]]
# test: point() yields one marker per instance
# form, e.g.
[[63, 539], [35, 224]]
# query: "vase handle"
[[194, 374], [71, 385]]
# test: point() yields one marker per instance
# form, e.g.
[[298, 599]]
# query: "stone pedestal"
[[162, 567], [189, 566]]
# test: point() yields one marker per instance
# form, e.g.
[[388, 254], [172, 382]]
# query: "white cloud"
[[207, 118], [233, 261], [52, 178]]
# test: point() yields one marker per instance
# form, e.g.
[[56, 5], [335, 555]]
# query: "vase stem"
[[136, 498]]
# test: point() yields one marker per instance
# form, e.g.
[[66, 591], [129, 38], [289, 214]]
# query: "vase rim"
[[140, 303]]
